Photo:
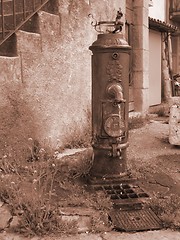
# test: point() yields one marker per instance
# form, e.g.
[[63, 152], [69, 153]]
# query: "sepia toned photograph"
[[89, 119]]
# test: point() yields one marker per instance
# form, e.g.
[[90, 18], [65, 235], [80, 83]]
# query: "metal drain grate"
[[123, 193], [130, 210], [135, 220]]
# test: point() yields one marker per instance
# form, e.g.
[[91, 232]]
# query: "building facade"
[[155, 51]]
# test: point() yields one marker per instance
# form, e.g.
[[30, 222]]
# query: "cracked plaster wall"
[[51, 93]]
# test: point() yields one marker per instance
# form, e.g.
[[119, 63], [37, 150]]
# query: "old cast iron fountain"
[[110, 103], [110, 99]]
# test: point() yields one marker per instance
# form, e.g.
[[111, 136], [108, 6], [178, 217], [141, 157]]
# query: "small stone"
[[5, 217], [15, 222]]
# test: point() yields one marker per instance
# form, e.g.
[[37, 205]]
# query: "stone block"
[[141, 16], [142, 100], [129, 4], [28, 42], [140, 60], [174, 125], [49, 25], [85, 218], [129, 15], [83, 222], [10, 68], [141, 37], [141, 79], [10, 78], [141, 3]]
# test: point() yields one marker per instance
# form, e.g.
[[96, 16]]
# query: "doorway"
[[154, 67]]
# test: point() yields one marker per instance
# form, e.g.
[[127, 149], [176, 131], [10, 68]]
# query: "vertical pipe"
[[2, 19], [24, 9], [14, 13], [170, 54]]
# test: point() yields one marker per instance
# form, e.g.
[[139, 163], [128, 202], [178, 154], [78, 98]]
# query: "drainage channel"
[[130, 209]]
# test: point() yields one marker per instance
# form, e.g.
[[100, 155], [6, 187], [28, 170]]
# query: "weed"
[[79, 136], [167, 208], [137, 122], [166, 205], [35, 190], [161, 110]]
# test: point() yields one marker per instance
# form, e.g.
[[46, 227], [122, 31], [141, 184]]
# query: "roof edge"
[[161, 26]]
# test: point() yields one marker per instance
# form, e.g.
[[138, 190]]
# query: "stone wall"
[[46, 94], [59, 81]]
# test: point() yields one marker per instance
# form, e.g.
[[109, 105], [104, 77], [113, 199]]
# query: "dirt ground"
[[156, 164]]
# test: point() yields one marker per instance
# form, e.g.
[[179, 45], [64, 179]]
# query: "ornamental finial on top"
[[111, 26]]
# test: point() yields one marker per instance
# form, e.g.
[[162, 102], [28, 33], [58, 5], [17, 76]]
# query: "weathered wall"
[[59, 80], [53, 72]]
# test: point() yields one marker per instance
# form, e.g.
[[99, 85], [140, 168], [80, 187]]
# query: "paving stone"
[[85, 218], [163, 179], [83, 222], [82, 236], [149, 235]]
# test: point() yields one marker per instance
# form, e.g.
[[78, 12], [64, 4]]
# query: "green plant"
[[79, 136], [137, 122], [167, 208], [161, 110], [35, 190], [29, 193]]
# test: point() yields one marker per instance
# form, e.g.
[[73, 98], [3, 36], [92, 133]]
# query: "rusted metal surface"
[[15, 13], [110, 26], [130, 210], [124, 195], [135, 220], [110, 98]]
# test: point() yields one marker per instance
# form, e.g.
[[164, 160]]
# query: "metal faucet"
[[115, 92]]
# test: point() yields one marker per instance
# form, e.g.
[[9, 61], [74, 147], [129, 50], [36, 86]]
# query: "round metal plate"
[[113, 125]]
